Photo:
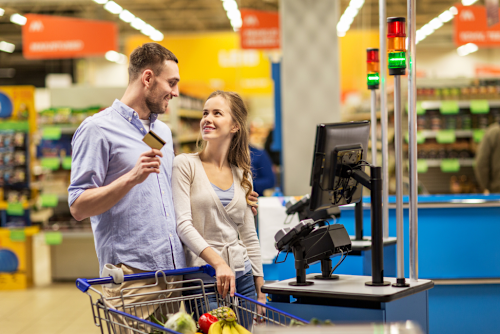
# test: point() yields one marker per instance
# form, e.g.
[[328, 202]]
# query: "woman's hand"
[[225, 280], [261, 298]]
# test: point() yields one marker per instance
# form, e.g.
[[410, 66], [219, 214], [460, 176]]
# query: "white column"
[[310, 83]]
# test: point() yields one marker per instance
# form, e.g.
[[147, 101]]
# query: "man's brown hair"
[[149, 55]]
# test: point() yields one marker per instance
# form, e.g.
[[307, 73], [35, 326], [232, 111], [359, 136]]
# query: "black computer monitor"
[[338, 148]]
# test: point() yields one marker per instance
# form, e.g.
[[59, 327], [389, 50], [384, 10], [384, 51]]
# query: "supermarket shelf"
[[458, 133], [430, 105], [188, 138], [186, 113], [437, 162], [364, 116], [66, 129]]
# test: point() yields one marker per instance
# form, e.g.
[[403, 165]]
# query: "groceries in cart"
[[157, 311]]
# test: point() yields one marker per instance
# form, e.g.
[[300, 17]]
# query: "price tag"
[[17, 235], [479, 107], [446, 136], [422, 166], [50, 163], [420, 109], [51, 133], [15, 209], [49, 201], [478, 135], [53, 238], [66, 163], [449, 108], [450, 165]]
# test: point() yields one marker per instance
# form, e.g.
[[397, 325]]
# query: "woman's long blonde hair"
[[239, 153]]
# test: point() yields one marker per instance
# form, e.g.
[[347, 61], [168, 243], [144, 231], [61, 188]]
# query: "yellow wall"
[[353, 58], [211, 61]]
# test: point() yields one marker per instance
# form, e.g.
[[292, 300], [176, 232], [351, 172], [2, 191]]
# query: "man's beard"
[[154, 106]]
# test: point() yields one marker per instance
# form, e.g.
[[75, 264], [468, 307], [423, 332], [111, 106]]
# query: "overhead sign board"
[[260, 30], [471, 27], [55, 37]]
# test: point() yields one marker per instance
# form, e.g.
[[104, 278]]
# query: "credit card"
[[153, 140]]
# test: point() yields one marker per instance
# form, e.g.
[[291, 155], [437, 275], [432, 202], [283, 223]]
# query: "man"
[[487, 167], [124, 186]]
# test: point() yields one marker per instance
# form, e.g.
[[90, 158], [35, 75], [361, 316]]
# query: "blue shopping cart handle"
[[83, 284]]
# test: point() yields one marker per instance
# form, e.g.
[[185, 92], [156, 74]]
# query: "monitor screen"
[[337, 146]]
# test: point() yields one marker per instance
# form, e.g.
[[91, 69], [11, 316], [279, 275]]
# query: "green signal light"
[[397, 60], [373, 80]]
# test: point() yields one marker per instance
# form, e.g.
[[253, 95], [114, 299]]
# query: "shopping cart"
[[131, 313]]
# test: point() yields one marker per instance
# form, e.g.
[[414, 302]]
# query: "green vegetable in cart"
[[205, 321], [181, 322]]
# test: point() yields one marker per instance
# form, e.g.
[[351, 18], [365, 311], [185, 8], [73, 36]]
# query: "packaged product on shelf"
[[435, 120]]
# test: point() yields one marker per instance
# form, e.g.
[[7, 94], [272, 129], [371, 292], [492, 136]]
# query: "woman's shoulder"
[[185, 159]]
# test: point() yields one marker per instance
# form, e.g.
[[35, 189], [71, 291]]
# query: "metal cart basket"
[[131, 313]]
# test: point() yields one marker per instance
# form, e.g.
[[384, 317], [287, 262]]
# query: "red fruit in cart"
[[205, 321]]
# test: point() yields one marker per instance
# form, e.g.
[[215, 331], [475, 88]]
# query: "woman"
[[210, 190]]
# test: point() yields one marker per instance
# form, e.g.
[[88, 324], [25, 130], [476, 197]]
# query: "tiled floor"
[[59, 308]]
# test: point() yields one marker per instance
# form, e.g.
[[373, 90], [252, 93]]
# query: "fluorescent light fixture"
[[436, 23], [342, 26], [347, 20], [233, 14], [113, 7], [2, 11], [126, 16], [7, 47], [230, 5], [101, 2], [111, 56], [137, 23], [340, 33], [446, 16], [351, 12], [357, 3], [427, 29], [236, 23], [468, 2], [147, 30], [18, 19], [122, 59], [156, 36], [466, 49], [453, 10]]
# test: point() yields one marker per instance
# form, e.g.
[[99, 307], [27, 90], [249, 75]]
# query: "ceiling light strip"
[[134, 21], [233, 13], [348, 17], [436, 23]]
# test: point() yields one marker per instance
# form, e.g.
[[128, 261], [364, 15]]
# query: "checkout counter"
[[466, 282]]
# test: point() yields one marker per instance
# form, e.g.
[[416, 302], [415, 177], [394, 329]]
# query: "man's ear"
[[147, 78]]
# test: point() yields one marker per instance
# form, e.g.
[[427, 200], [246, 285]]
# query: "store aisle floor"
[[56, 309]]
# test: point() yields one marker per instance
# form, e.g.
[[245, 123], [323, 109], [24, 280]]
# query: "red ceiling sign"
[[260, 30], [471, 27], [51, 37]]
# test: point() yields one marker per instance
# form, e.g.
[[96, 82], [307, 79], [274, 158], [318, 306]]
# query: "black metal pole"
[[358, 219], [377, 228]]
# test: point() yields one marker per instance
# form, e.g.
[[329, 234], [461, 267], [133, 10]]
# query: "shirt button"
[[134, 114], [130, 119], [170, 235], [163, 192], [141, 129], [168, 215]]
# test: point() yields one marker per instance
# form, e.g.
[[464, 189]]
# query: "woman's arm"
[[181, 190]]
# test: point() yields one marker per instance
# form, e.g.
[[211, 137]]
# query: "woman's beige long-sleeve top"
[[202, 220]]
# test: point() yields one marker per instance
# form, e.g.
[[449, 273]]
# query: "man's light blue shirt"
[[140, 230]]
